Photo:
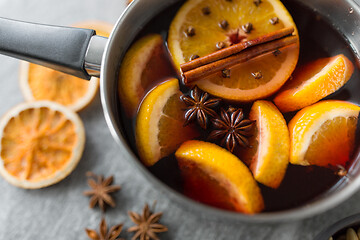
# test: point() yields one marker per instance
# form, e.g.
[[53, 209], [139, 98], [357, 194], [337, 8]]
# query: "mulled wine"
[[301, 184]]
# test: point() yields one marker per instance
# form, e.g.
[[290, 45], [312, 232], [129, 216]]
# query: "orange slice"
[[271, 70], [323, 134], [41, 143], [215, 176], [41, 83], [268, 156], [159, 123], [102, 28], [314, 81], [145, 65]]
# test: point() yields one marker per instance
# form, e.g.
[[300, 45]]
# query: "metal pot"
[[351, 221], [81, 53]]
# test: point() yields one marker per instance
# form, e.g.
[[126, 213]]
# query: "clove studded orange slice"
[[215, 176], [268, 156], [41, 143], [314, 81], [202, 27], [323, 134], [160, 121], [144, 65], [41, 83]]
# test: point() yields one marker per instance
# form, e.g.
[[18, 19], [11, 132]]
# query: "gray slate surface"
[[61, 212]]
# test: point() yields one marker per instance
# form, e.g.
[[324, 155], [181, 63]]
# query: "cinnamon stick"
[[243, 56], [236, 48]]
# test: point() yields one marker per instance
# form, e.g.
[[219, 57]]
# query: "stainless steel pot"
[[81, 53], [343, 224]]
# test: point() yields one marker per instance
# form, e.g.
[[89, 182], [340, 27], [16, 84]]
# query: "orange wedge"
[[41, 83], [41, 143], [215, 176], [196, 30], [314, 81], [268, 156], [145, 65], [323, 134], [159, 124]]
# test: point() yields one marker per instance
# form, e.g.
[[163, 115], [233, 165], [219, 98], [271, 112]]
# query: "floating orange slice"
[[160, 123], [41, 143], [314, 81], [144, 65], [215, 176], [202, 26], [41, 83], [323, 134], [268, 156]]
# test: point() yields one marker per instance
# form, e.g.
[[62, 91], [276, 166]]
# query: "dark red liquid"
[[301, 184]]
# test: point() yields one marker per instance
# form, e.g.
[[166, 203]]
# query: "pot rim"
[[202, 210]]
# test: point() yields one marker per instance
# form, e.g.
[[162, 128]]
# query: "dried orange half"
[[41, 143], [215, 176], [314, 81], [323, 134], [41, 83], [202, 27]]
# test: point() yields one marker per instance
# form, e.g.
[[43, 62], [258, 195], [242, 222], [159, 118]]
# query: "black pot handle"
[[61, 48]]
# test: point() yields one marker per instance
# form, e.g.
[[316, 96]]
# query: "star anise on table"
[[147, 225], [232, 128], [103, 234], [101, 190], [200, 107]]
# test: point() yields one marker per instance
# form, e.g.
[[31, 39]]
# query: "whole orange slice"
[[215, 176], [145, 65], [202, 27], [268, 156], [41, 143], [323, 134], [41, 83], [314, 81], [160, 123]]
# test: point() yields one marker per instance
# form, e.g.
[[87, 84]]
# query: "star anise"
[[146, 224], [101, 190], [200, 106], [103, 234], [232, 128]]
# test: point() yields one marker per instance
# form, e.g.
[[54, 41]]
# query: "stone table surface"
[[61, 211]]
